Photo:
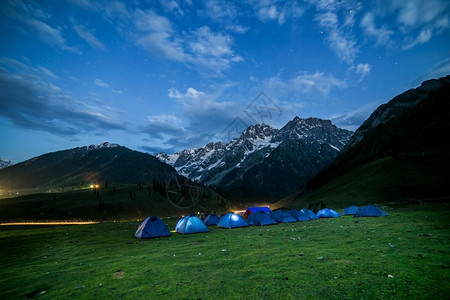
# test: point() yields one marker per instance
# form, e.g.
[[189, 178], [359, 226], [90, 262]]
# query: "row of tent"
[[153, 226]]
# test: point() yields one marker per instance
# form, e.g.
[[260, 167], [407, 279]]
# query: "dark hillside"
[[414, 129], [84, 165]]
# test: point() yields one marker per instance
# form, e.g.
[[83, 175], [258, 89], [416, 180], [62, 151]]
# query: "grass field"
[[402, 256]]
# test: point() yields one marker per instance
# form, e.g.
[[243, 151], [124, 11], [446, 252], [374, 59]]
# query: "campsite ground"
[[404, 255]]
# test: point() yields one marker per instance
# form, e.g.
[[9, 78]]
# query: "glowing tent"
[[190, 224], [260, 218], [231, 220], [152, 227], [327, 213], [211, 219], [252, 210], [370, 211]]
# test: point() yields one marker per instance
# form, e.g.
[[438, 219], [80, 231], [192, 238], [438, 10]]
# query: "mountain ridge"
[[243, 162]]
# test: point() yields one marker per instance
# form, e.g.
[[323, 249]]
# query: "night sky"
[[168, 75]]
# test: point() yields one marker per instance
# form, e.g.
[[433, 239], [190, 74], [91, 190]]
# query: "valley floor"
[[405, 255]]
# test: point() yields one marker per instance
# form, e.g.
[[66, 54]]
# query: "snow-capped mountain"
[[5, 163], [263, 161]]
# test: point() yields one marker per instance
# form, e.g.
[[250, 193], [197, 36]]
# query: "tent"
[[311, 215], [370, 211], [231, 220], [351, 210], [327, 213], [260, 218], [298, 215], [190, 224], [152, 227], [211, 219], [282, 216], [252, 210]]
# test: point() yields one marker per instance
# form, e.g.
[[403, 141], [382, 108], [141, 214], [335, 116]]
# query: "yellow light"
[[97, 186], [91, 186], [51, 223]]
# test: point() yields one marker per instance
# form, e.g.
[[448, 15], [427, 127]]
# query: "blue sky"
[[169, 75]]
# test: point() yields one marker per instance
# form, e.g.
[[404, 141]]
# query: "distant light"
[[91, 186], [51, 223], [97, 186]]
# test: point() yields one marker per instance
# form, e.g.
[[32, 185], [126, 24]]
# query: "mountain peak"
[[5, 163], [102, 146]]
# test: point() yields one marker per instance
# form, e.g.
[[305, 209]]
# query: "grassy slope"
[[419, 176], [273, 262], [127, 203]]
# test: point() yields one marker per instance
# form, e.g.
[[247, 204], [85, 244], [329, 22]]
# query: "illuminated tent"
[[282, 216], [252, 210], [298, 215], [260, 218], [311, 215], [327, 213], [191, 224], [231, 220], [211, 219], [370, 211], [152, 227], [351, 210]]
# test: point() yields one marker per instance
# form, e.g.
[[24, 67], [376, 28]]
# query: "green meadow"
[[404, 255]]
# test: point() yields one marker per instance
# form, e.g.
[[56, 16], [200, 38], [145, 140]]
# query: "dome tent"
[[251, 210], [327, 213], [211, 219], [231, 220], [298, 215], [351, 210], [152, 227], [370, 211], [282, 216], [190, 224], [310, 214], [260, 218]]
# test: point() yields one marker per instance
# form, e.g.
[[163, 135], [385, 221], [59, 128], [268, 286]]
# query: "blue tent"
[[190, 224], [260, 218], [351, 210], [252, 210], [211, 219], [370, 211], [311, 215], [282, 216], [152, 227], [298, 215], [231, 220], [327, 213]]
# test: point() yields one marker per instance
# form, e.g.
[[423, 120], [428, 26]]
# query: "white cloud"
[[311, 84], [157, 35], [100, 83], [363, 69], [272, 10], [418, 21], [201, 47], [219, 10], [340, 39], [35, 22], [88, 37], [238, 28], [191, 93], [381, 35], [32, 101]]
